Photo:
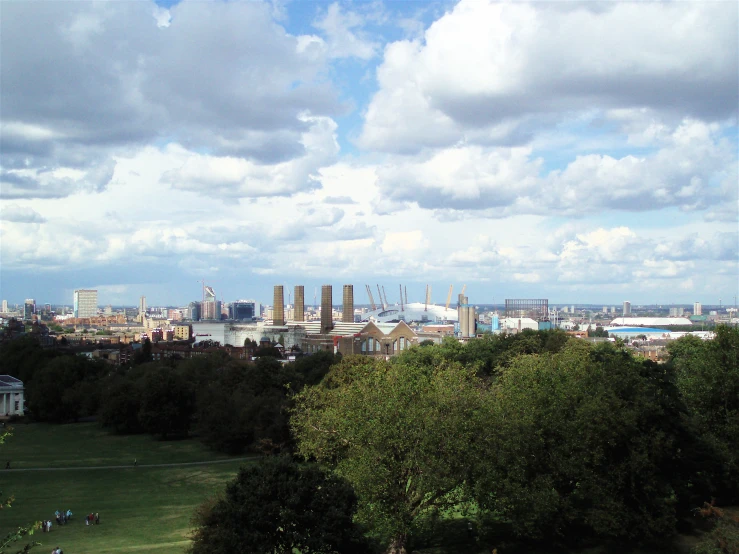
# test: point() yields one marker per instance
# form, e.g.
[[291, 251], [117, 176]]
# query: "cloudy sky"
[[581, 152]]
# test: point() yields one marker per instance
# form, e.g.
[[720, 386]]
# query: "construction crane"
[[401, 297], [372, 300], [384, 306], [449, 296]]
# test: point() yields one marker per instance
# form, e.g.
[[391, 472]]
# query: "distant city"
[[375, 326]]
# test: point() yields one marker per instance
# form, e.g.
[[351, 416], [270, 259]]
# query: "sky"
[[583, 152]]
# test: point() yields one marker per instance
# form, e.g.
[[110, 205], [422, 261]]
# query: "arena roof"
[[649, 321], [414, 311]]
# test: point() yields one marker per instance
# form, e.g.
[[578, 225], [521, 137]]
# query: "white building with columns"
[[11, 396]]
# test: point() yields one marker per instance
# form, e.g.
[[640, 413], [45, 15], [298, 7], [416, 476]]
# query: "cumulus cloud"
[[110, 77], [226, 176], [20, 214], [344, 34], [692, 167], [486, 68]]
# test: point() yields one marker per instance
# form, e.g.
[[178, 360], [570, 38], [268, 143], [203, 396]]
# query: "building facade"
[[85, 303], [11, 396]]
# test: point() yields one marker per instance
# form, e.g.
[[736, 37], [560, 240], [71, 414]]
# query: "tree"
[[400, 433], [143, 355], [167, 403], [279, 506], [708, 378], [65, 388], [588, 442], [120, 405]]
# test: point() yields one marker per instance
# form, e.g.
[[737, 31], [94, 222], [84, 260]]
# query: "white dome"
[[415, 311]]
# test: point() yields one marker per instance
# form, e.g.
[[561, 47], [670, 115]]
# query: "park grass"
[[142, 509], [86, 444]]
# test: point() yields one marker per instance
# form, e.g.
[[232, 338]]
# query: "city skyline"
[[581, 152]]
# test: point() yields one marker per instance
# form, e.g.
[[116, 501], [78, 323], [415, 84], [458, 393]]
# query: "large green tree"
[[167, 403], [708, 378], [400, 433], [277, 506], [587, 442]]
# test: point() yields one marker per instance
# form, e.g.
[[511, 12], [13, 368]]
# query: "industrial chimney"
[[278, 307], [299, 311], [347, 315], [327, 320]]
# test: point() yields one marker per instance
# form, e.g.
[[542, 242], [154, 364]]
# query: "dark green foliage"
[[490, 353], [401, 434], [120, 405], [587, 443], [311, 369], [143, 355], [708, 380], [22, 357], [65, 388], [277, 506], [598, 332], [267, 351], [167, 403], [245, 407]]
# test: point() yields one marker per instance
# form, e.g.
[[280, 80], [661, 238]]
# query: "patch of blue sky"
[[583, 135], [167, 3], [663, 218], [356, 84]]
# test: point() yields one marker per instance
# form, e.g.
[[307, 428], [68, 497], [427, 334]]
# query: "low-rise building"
[[11, 396]]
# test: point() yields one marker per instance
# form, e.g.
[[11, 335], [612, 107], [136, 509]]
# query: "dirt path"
[[130, 466]]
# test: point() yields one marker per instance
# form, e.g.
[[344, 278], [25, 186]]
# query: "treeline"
[[230, 405]]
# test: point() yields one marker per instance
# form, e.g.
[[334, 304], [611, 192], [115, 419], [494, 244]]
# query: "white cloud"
[[227, 176], [20, 214], [344, 34], [693, 167], [487, 64]]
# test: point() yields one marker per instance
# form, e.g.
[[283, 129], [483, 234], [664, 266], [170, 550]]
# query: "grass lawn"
[[141, 509], [86, 444]]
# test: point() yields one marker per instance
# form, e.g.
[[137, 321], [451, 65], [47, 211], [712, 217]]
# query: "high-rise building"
[[242, 310], [627, 307], [697, 308], [194, 311], [142, 306], [210, 308], [85, 303], [5, 306], [29, 308], [676, 312]]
